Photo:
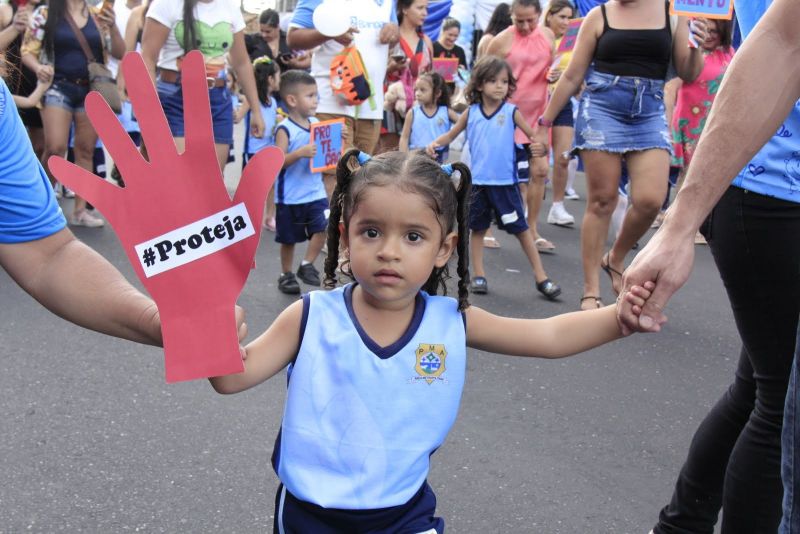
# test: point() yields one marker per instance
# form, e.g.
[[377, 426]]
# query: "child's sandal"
[[548, 288]]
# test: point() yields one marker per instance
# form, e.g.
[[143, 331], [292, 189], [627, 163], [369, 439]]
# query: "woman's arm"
[[554, 337], [671, 90], [452, 115], [522, 124], [267, 354], [154, 36], [406, 134], [108, 26], [240, 62], [500, 44], [570, 82], [131, 33], [12, 25], [688, 61], [300, 62]]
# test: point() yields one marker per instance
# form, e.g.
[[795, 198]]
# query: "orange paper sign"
[[191, 245]]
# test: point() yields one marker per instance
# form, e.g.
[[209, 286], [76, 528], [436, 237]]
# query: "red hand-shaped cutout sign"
[[190, 244]]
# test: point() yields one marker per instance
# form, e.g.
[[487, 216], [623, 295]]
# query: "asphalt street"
[[94, 440]]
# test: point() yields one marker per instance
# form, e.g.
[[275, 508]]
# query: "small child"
[[490, 122], [301, 205], [268, 78], [431, 117], [377, 367]]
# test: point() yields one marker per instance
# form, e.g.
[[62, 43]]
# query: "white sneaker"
[[84, 218], [571, 194], [559, 216]]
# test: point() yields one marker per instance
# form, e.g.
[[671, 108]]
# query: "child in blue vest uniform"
[[376, 368], [267, 74], [490, 122], [301, 205], [430, 117]]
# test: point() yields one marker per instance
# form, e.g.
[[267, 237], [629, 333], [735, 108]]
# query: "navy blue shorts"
[[295, 223], [501, 202], [293, 516], [522, 158], [566, 116], [171, 97]]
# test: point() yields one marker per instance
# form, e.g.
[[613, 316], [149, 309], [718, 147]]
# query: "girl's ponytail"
[[463, 194], [344, 174]]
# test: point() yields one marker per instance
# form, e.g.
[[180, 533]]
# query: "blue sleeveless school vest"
[[270, 115], [296, 184], [361, 421], [491, 145], [425, 129]]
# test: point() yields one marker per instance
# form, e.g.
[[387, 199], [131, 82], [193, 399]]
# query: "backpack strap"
[[80, 37]]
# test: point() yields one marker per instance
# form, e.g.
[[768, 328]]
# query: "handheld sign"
[[190, 244], [327, 135], [710, 9], [570, 36], [446, 67]]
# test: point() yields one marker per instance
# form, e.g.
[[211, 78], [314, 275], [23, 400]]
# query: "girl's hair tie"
[[447, 169], [266, 60], [363, 158]]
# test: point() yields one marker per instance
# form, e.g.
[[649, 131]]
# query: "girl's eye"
[[414, 237], [371, 233]]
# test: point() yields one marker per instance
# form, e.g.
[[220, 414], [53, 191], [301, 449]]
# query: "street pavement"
[[94, 440]]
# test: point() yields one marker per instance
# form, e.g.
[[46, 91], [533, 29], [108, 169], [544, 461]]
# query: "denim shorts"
[[67, 95], [621, 114], [171, 97]]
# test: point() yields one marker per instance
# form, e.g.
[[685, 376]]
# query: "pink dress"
[[530, 57], [694, 104]]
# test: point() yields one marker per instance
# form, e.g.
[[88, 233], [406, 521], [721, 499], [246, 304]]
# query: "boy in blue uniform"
[[300, 200]]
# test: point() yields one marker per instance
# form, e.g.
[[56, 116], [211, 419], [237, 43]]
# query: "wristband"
[[544, 122]]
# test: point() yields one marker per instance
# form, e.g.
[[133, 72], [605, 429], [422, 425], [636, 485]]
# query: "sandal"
[[549, 289], [490, 242], [479, 285], [610, 271], [544, 246], [597, 302]]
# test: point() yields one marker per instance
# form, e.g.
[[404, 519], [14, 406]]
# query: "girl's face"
[[269, 33], [415, 13], [713, 41], [525, 19], [495, 88], [423, 92], [449, 37], [394, 241], [559, 21]]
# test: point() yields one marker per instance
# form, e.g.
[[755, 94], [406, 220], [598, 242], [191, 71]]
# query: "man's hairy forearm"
[[759, 89]]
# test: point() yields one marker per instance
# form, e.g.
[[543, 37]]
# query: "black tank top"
[[642, 53]]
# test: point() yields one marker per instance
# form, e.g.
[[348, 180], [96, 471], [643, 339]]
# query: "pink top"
[[694, 104], [530, 57]]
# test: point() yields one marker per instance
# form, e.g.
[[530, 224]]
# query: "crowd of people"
[[630, 100]]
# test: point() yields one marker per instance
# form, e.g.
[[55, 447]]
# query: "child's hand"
[[553, 75], [431, 149], [308, 151], [538, 149], [638, 295]]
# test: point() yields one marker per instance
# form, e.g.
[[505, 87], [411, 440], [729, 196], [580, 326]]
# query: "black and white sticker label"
[[194, 241]]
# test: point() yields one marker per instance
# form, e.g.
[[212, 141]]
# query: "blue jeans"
[[790, 457]]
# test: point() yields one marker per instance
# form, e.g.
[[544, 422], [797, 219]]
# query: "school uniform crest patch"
[[430, 362]]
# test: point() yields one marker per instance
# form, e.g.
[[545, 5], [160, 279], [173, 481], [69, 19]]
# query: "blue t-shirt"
[[491, 145], [775, 170], [28, 207], [296, 183]]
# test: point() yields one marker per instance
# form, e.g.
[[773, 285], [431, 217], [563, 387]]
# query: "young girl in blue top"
[[376, 368], [268, 79], [430, 117], [490, 122]]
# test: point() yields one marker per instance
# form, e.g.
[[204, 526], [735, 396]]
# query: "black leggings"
[[735, 456]]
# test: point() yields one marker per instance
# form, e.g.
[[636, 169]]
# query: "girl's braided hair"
[[417, 173]]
